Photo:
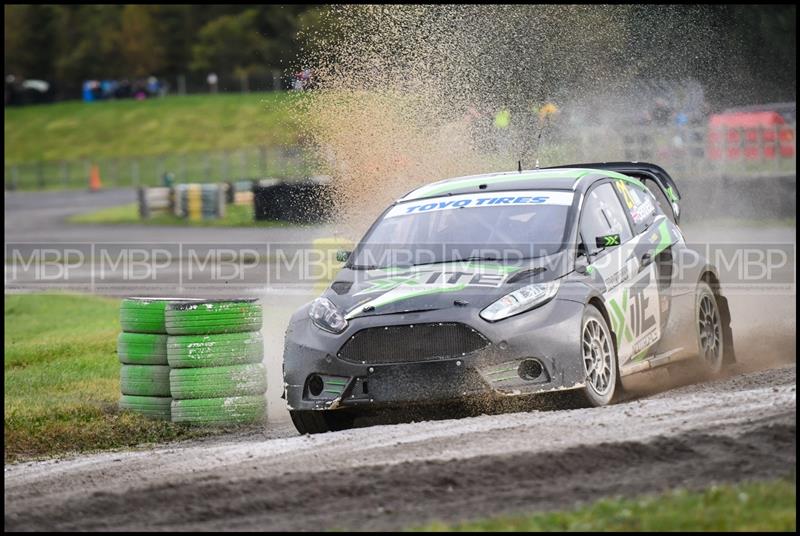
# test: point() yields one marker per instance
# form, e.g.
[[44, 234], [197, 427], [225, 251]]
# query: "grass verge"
[[751, 506], [127, 128], [61, 380], [235, 216]]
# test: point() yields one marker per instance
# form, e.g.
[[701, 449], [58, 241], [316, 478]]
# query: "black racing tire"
[[144, 380], [221, 411], [709, 330], [598, 353], [320, 422], [142, 348], [191, 351], [144, 315], [156, 407], [218, 382], [213, 316]]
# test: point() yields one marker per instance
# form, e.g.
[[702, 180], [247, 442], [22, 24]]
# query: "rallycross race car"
[[508, 284]]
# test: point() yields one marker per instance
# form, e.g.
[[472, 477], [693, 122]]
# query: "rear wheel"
[[599, 358], [710, 342], [319, 422]]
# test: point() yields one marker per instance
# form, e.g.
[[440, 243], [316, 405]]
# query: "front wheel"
[[599, 358], [321, 421], [710, 340]]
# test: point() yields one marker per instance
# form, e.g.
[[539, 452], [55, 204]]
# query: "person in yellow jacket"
[[502, 119]]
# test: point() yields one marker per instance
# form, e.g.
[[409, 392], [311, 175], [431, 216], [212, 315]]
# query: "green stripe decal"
[[501, 371], [503, 379], [666, 237], [467, 182], [409, 271], [620, 176], [618, 320], [380, 302], [671, 194], [455, 184]]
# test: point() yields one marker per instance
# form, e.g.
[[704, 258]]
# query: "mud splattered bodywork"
[[465, 322], [492, 367]]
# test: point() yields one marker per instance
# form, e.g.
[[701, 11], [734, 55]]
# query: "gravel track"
[[396, 476]]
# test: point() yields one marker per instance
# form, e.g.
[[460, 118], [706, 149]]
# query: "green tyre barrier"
[[144, 380], [191, 351], [213, 316], [157, 407], [142, 348], [145, 315], [228, 410], [218, 382]]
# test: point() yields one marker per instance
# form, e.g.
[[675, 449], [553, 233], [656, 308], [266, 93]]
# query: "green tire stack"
[[215, 352], [142, 350]]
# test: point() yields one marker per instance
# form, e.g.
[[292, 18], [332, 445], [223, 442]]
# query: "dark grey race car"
[[506, 284]]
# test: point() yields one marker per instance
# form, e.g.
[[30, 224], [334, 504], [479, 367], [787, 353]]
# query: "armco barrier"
[[200, 201], [157, 200], [239, 192]]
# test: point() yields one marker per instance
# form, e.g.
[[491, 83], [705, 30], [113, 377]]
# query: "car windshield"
[[495, 226]]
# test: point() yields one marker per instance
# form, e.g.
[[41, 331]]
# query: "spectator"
[[212, 80], [502, 119], [140, 90], [123, 90], [153, 86], [12, 91]]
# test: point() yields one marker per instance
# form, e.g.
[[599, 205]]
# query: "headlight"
[[326, 316], [520, 300]]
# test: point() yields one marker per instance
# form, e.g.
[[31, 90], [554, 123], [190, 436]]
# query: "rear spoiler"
[[644, 172]]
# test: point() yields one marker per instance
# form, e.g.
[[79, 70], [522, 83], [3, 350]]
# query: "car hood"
[[429, 287]]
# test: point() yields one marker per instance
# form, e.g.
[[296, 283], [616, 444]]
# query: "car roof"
[[535, 179]]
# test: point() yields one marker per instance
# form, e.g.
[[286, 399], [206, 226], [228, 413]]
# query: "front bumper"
[[549, 334]]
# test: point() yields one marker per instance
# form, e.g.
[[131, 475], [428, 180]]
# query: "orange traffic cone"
[[94, 178]]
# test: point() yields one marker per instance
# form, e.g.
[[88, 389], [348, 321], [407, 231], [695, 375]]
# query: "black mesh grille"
[[413, 343]]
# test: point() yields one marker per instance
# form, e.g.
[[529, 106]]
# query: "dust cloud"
[[406, 95]]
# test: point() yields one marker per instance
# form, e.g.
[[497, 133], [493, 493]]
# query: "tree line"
[[748, 55], [67, 44]]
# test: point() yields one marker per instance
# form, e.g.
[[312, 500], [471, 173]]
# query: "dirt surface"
[[396, 476]]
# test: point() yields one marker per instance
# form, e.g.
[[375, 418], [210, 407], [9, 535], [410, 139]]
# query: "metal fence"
[[686, 151], [695, 151], [238, 164]]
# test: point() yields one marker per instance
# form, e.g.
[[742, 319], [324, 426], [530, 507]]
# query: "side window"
[[639, 203], [664, 206], [602, 215]]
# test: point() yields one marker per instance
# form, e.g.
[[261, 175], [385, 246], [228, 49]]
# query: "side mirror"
[[342, 255], [581, 259], [581, 264]]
